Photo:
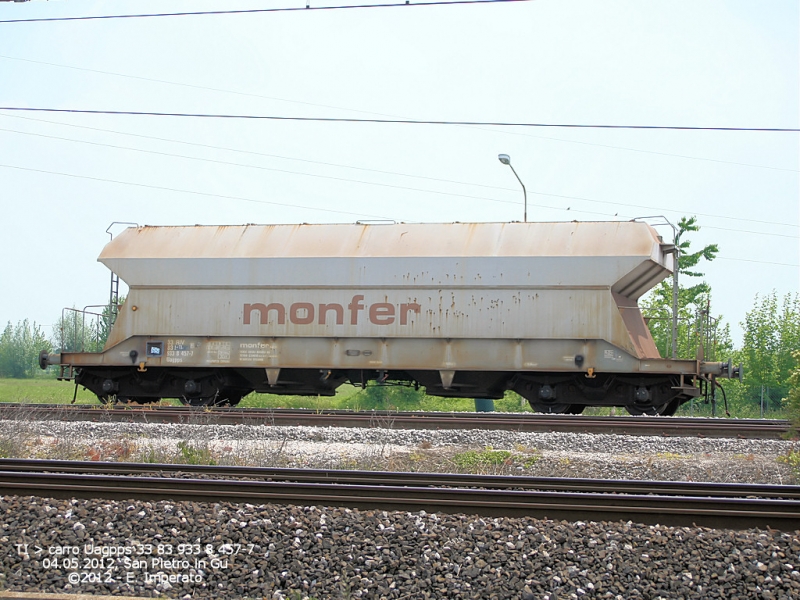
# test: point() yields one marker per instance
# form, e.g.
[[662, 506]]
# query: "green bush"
[[192, 455], [792, 458], [474, 459]]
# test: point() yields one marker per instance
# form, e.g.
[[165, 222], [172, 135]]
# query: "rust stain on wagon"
[[487, 280]]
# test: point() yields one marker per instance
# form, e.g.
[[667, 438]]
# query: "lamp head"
[[504, 158]]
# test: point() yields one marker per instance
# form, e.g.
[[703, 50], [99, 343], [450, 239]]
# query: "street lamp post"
[[506, 160]]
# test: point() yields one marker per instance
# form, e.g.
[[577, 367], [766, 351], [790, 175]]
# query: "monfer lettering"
[[306, 313]]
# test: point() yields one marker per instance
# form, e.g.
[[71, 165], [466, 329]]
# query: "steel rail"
[[680, 510], [522, 422], [499, 482]]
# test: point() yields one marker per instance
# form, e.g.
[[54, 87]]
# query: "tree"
[[84, 331], [19, 349], [391, 397], [696, 326], [792, 401], [771, 335], [77, 331]]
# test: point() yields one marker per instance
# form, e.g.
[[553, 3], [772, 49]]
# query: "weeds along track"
[[734, 506], [523, 422]]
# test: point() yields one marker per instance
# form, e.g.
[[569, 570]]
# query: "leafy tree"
[[792, 401], [76, 331], [696, 326], [771, 336], [789, 334], [19, 349], [79, 331]]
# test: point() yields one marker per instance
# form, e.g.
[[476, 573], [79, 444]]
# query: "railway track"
[[528, 422], [735, 506]]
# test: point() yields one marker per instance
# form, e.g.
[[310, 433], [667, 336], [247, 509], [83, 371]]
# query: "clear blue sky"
[[729, 64]]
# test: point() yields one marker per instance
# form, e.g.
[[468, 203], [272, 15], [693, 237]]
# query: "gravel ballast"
[[295, 552], [556, 454], [276, 552]]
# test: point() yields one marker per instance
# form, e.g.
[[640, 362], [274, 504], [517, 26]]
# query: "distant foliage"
[[771, 335], [76, 331], [792, 400], [19, 349], [389, 397]]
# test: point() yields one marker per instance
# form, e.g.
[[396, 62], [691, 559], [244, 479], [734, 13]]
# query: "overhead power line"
[[642, 151], [245, 199], [567, 209], [306, 8], [391, 121], [760, 262], [207, 194], [343, 166], [388, 185], [187, 85], [277, 99]]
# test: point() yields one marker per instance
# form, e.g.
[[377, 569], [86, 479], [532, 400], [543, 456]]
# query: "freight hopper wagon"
[[548, 310]]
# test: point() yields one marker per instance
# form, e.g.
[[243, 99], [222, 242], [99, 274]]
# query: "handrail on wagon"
[[76, 336]]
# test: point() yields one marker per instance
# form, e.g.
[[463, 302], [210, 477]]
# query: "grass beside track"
[[47, 390], [43, 391]]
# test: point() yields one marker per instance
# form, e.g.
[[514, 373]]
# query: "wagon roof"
[[616, 238], [625, 257]]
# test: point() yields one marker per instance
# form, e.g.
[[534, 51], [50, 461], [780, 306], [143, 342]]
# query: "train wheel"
[[554, 408], [671, 408]]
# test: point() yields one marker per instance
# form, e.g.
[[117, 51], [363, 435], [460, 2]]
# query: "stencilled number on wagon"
[[179, 350], [218, 352]]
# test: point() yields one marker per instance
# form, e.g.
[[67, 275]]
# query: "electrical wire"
[[394, 121], [760, 262], [188, 85], [387, 185], [261, 168], [355, 168], [641, 151], [259, 10], [250, 152], [208, 194], [767, 233], [72, 175], [260, 201], [274, 98]]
